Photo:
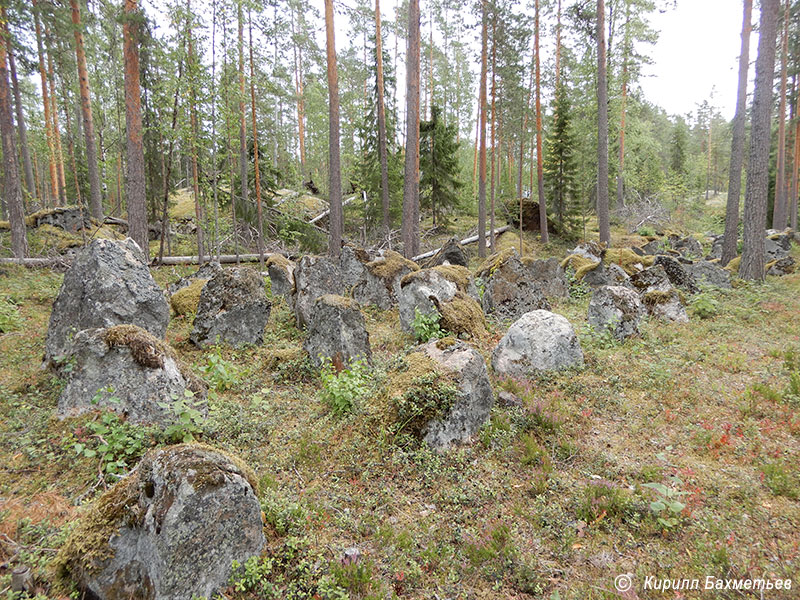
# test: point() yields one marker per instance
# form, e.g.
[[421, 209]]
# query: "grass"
[[549, 498]]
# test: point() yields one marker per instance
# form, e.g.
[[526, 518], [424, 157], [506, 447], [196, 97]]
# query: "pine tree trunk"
[[298, 82], [494, 118], [625, 51], [411, 173], [48, 120], [708, 153], [731, 237], [259, 208], [135, 182], [602, 129], [198, 211], [482, 129], [755, 201], [243, 158], [60, 172], [382, 143], [12, 188], [795, 166], [335, 218], [30, 181], [539, 163], [779, 209], [95, 191]]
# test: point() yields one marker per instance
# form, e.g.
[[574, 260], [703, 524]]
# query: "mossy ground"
[[548, 498]]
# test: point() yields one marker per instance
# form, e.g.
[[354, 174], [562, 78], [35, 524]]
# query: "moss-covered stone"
[[462, 314], [579, 264], [390, 265], [493, 262], [457, 274], [628, 259], [733, 265], [278, 260], [186, 299], [655, 297]]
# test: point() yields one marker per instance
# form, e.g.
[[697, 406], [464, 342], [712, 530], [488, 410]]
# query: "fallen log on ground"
[[470, 240]]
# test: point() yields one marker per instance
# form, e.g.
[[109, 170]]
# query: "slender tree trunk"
[[625, 51], [708, 152], [214, 184], [48, 120], [482, 128], [779, 211], [795, 166], [298, 83], [230, 150], [602, 129], [62, 181], [12, 188], [243, 158], [494, 115], [198, 211], [336, 217], [95, 191], [539, 163], [731, 237], [382, 143], [255, 146], [135, 181], [429, 111], [71, 145], [411, 173], [755, 201], [558, 46], [523, 135], [30, 182]]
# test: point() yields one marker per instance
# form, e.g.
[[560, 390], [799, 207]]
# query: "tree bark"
[[336, 219], [95, 191], [198, 211], [602, 129], [135, 181], [298, 81], [382, 143], [30, 181], [494, 118], [48, 120], [625, 51], [259, 208], [410, 227], [731, 237], [482, 129], [243, 158], [539, 162], [12, 189], [62, 181], [755, 201], [779, 209], [795, 166]]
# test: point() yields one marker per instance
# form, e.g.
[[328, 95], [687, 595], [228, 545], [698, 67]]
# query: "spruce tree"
[[438, 161], [560, 168]]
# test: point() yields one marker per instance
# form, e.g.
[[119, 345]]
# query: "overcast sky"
[[697, 52]]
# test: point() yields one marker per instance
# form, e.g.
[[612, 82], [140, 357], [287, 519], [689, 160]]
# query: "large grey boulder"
[[475, 397], [677, 273], [314, 276], [666, 306], [206, 272], [381, 279], [782, 266], [616, 309], [424, 289], [510, 292], [68, 218], [351, 263], [777, 246], [708, 273], [233, 309], [549, 277], [128, 371], [538, 341], [651, 279], [281, 276], [606, 274], [452, 253], [687, 246], [170, 530], [109, 283], [336, 332]]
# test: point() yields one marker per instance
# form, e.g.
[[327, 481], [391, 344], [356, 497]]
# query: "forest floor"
[[550, 501]]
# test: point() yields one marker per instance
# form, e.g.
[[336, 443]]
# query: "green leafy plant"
[[578, 289], [10, 319], [188, 419], [666, 508], [428, 397], [426, 327], [781, 480], [115, 442], [220, 374], [646, 231], [342, 390], [704, 305]]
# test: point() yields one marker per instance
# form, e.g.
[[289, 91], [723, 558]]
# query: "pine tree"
[[560, 168], [439, 182]]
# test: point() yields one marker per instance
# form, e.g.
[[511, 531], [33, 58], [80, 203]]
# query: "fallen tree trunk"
[[324, 214], [223, 259], [37, 262], [470, 240]]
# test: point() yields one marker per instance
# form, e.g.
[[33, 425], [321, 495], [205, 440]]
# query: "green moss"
[[186, 300], [462, 314], [390, 265], [776, 236], [446, 342], [493, 262], [733, 265], [150, 352], [279, 260], [627, 259], [454, 273]]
